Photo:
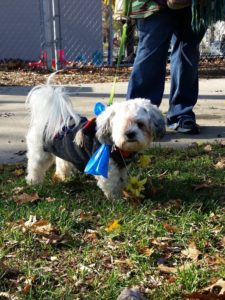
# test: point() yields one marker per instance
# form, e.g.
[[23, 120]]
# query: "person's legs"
[[184, 72], [148, 74]]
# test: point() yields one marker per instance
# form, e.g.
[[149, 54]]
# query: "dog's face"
[[130, 125]]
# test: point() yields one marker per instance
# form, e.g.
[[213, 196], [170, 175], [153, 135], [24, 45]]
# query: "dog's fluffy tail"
[[51, 109]]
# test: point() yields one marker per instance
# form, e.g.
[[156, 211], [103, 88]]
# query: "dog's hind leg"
[[64, 169], [39, 161]]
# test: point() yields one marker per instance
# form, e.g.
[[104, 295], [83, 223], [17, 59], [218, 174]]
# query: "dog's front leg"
[[113, 185], [64, 169]]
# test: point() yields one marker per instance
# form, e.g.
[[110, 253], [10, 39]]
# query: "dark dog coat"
[[63, 146]]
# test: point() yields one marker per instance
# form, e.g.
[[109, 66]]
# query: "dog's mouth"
[[132, 145], [131, 141]]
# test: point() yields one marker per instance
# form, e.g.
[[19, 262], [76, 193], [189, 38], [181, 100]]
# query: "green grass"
[[87, 262]]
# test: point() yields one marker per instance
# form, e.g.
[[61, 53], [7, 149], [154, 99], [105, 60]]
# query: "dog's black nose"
[[130, 134]]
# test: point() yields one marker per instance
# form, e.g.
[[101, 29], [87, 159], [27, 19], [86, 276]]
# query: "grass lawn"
[[66, 241]]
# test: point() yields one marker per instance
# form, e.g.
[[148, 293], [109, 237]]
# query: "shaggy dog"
[[58, 134]]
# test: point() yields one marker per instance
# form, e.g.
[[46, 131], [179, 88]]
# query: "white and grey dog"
[[58, 134]]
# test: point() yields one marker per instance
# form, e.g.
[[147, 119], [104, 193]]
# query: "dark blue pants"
[[148, 75]]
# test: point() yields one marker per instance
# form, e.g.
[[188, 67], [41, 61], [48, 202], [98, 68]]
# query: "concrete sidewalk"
[[14, 118]]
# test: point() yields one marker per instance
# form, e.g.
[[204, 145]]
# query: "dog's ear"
[[156, 120], [104, 125], [158, 124]]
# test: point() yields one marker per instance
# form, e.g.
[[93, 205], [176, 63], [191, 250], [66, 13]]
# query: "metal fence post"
[[47, 26], [56, 32], [110, 34]]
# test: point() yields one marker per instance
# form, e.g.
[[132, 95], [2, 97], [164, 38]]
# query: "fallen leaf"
[[217, 288], [192, 252], [220, 164], [91, 236], [17, 190], [42, 228], [166, 269], [198, 187], [50, 199], [112, 226], [223, 241], [19, 172], [208, 148], [170, 228], [161, 242], [135, 201], [172, 203], [27, 288], [214, 260], [163, 174], [201, 296], [146, 251], [173, 270], [6, 295], [126, 262], [25, 198]]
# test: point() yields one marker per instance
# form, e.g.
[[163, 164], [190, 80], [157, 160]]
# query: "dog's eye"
[[140, 124]]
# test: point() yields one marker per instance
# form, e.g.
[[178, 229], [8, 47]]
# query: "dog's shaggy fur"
[[130, 126]]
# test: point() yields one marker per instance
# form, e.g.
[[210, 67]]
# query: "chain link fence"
[[59, 34]]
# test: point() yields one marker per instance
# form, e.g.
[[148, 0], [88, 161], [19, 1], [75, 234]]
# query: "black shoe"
[[185, 125], [130, 294]]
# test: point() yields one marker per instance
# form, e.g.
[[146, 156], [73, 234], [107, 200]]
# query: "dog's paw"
[[59, 178], [33, 180]]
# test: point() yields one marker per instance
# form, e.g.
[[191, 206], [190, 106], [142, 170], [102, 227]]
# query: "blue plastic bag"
[[99, 162], [99, 108]]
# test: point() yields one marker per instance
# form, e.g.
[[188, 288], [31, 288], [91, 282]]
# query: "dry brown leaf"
[[123, 262], [170, 228], [146, 251], [6, 295], [173, 270], [214, 260], [91, 236], [50, 199], [208, 148], [27, 288], [161, 242], [220, 164], [198, 187], [172, 203], [136, 201], [217, 288], [25, 198], [192, 252], [42, 228], [166, 269], [223, 241], [202, 296]]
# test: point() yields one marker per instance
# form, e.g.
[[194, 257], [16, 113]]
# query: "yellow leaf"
[[114, 225], [144, 161], [19, 172], [135, 186]]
